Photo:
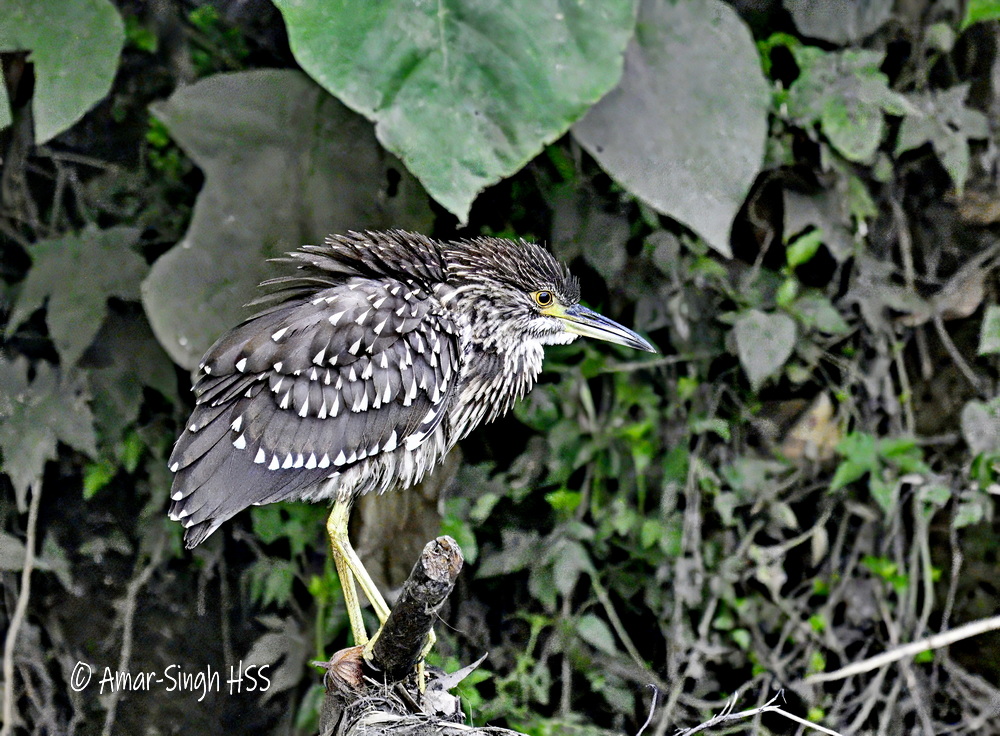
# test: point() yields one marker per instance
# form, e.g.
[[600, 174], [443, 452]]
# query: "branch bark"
[[380, 696]]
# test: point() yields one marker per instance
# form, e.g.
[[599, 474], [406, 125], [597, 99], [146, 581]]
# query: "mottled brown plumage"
[[366, 365]]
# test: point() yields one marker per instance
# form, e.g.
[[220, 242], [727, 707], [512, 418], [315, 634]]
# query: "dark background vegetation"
[[805, 477]]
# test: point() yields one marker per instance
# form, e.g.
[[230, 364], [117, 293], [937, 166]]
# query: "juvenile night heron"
[[367, 365]]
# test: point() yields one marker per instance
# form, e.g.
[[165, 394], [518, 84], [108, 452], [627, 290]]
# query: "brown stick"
[[404, 635], [359, 689]]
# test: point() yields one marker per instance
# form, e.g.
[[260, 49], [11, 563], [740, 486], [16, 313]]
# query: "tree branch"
[[381, 697]]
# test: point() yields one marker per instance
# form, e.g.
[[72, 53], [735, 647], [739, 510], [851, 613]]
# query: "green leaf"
[[803, 248], [716, 425], [967, 513], [281, 653], [825, 211], [35, 415], [978, 11], [285, 164], [989, 331], [904, 453], [268, 526], [77, 274], [124, 357], [686, 128], [846, 94], [270, 581], [96, 476], [815, 311], [5, 111], [520, 550], [597, 633], [74, 46], [564, 500], [464, 533], [465, 93], [764, 342], [884, 493], [936, 494], [569, 561], [12, 552], [883, 567], [787, 292], [981, 426], [860, 454], [943, 120], [839, 21], [650, 533]]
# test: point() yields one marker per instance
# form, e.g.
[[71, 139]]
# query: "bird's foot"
[[343, 670]]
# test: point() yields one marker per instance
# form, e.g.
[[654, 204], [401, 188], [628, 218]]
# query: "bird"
[[366, 363]]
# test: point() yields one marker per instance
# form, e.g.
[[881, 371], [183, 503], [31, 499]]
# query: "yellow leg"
[[351, 570], [336, 529]]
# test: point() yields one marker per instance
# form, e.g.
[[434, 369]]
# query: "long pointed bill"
[[588, 323]]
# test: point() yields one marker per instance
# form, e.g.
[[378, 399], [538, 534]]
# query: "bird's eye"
[[543, 298]]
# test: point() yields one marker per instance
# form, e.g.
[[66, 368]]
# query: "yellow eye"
[[544, 298]]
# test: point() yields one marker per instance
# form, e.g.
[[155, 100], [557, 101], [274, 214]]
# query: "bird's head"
[[518, 291]]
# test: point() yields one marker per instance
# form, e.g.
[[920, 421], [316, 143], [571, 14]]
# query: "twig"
[[956, 356], [616, 623], [652, 710], [935, 641], [20, 608], [135, 586], [727, 715], [957, 559], [655, 362], [906, 391]]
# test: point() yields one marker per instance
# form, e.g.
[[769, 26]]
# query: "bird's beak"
[[588, 323]]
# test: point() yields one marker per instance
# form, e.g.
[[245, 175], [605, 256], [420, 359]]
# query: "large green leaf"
[[980, 11], [465, 92], [285, 164], [686, 127], [77, 274], [35, 415], [74, 46]]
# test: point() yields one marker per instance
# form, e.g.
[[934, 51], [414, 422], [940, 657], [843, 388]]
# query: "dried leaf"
[[815, 434]]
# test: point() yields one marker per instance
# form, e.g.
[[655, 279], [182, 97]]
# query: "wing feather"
[[351, 370]]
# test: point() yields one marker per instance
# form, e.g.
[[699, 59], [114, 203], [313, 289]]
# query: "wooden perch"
[[380, 697], [404, 635]]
